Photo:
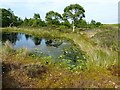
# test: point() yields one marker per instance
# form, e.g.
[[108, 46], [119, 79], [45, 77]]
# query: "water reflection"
[[37, 41], [53, 43], [27, 36], [50, 47], [12, 37]]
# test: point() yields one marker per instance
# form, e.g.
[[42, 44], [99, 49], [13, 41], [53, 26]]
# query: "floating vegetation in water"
[[74, 57]]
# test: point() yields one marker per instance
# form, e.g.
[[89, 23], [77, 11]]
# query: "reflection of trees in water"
[[37, 41], [54, 43], [12, 37], [0, 36], [27, 36], [48, 42]]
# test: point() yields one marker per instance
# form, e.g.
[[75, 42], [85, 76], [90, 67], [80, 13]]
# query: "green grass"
[[58, 75]]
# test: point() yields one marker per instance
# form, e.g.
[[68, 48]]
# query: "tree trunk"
[[73, 27]]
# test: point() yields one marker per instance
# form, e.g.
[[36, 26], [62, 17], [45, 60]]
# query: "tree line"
[[73, 17]]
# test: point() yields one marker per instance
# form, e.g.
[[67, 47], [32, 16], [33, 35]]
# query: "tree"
[[81, 23], [66, 23], [25, 22], [93, 23], [98, 24], [6, 17], [31, 22], [0, 17], [73, 13], [36, 16], [34, 22], [19, 21], [53, 18], [37, 21]]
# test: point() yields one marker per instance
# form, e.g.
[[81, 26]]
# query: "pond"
[[58, 49]]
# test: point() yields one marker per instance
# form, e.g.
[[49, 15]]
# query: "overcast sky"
[[105, 11]]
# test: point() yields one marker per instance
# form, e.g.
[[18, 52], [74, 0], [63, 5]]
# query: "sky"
[[105, 11]]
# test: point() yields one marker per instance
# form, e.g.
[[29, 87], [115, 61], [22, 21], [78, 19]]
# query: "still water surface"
[[49, 47]]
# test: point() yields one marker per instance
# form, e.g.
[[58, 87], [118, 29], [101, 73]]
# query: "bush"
[[34, 70]]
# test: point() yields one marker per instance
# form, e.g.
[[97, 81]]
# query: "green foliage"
[[74, 57], [93, 24], [81, 24], [53, 18], [66, 23], [72, 17], [36, 16], [34, 22], [8, 18], [73, 53], [98, 24], [74, 13], [25, 22]]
